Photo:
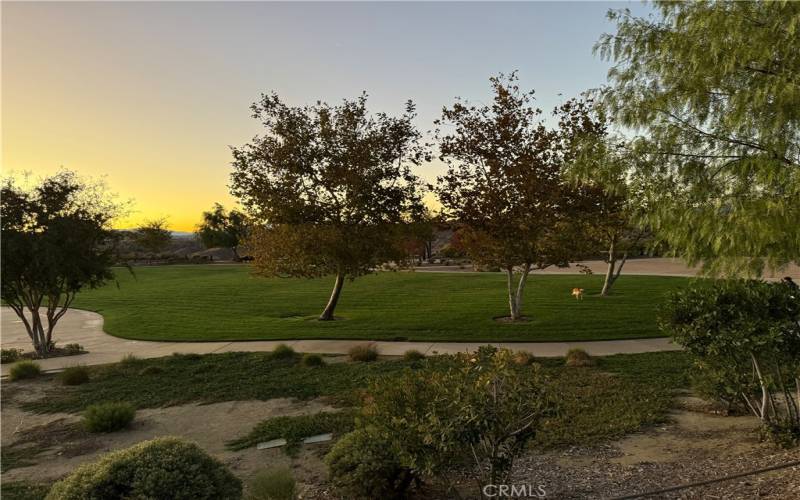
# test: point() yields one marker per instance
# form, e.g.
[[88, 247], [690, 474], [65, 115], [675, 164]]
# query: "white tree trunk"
[[515, 293]]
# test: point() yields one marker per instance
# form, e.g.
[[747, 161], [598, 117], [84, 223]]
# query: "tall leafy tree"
[[56, 241], [715, 86], [221, 228], [505, 185], [329, 189], [604, 165]]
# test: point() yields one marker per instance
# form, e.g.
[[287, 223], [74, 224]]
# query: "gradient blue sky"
[[152, 94]]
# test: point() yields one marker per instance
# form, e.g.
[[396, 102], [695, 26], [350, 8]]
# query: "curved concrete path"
[[86, 328]]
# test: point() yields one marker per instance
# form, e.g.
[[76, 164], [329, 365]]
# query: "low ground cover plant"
[[744, 336], [108, 417], [158, 469], [272, 484], [74, 375], [22, 370], [295, 429]]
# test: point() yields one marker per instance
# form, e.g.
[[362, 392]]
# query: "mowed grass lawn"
[[225, 302]]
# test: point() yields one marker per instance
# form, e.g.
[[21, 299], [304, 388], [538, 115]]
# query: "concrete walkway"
[[86, 328]]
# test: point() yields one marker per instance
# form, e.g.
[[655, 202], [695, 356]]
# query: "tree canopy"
[[505, 182], [56, 240], [329, 188], [152, 236], [715, 89], [223, 229]]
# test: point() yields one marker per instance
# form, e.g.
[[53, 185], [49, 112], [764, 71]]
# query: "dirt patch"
[[693, 447], [63, 444]]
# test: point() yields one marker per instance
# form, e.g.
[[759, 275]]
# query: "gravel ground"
[[693, 447]]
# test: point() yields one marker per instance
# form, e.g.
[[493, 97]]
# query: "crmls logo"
[[514, 491]]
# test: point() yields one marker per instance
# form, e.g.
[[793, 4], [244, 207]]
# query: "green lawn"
[[227, 303]]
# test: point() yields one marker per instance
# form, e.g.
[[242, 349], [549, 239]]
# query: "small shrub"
[[413, 355], [130, 361], [164, 468], [73, 348], [313, 360], [151, 370], [361, 465], [524, 358], [10, 355], [282, 351], [578, 357], [273, 484], [24, 370], [74, 375], [108, 417], [363, 353]]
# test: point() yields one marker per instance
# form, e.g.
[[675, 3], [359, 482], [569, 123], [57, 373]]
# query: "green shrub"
[[363, 353], [744, 336], [361, 466], [151, 370], [161, 469], [434, 416], [578, 357], [23, 370], [524, 358], [108, 417], [10, 355], [74, 375], [273, 484], [313, 360], [283, 351], [413, 355]]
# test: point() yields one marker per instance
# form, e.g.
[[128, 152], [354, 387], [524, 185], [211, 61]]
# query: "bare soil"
[[59, 443]]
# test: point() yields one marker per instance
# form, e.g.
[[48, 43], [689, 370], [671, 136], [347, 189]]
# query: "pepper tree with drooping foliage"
[[745, 337], [56, 241], [329, 189], [505, 184], [715, 87]]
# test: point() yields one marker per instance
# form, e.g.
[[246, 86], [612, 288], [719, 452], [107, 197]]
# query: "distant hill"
[[182, 234]]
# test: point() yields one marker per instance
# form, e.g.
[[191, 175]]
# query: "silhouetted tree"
[[56, 241], [223, 229], [329, 189], [153, 236]]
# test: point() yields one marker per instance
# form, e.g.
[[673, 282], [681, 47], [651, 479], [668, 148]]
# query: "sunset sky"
[[151, 95]]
